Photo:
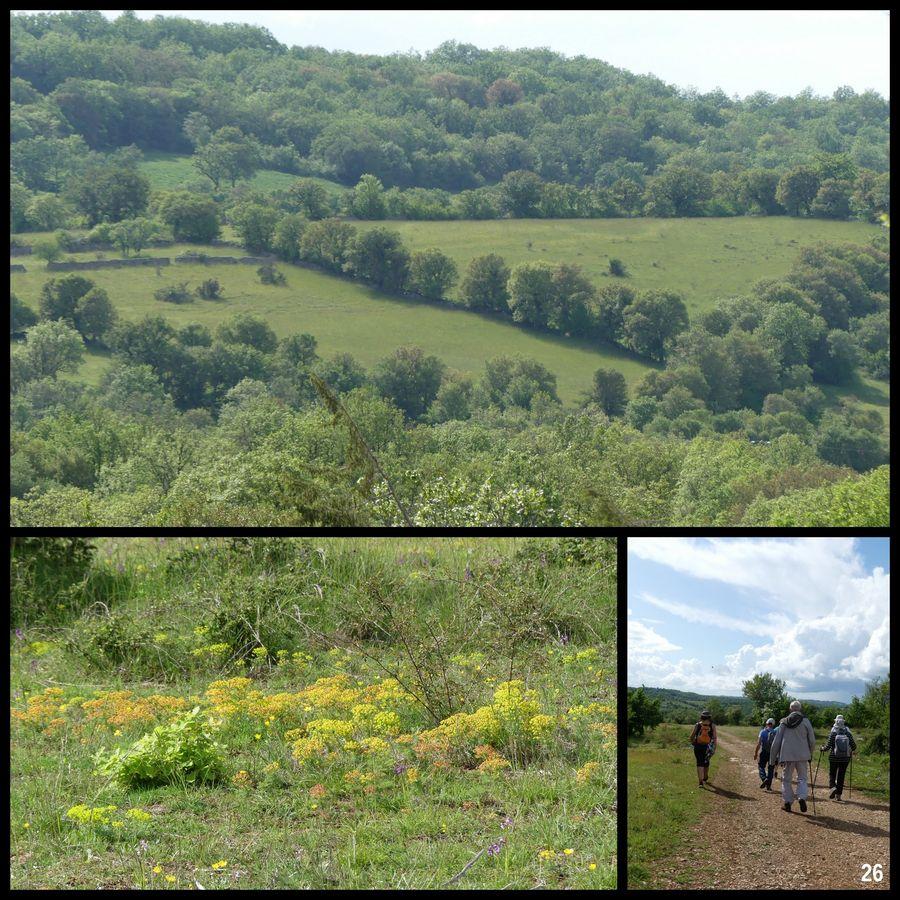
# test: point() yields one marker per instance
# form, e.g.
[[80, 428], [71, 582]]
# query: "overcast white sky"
[[739, 51]]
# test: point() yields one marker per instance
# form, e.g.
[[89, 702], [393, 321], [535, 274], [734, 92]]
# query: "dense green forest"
[[758, 407], [524, 132]]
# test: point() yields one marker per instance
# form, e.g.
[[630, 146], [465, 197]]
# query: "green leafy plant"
[[182, 752], [109, 640], [268, 274], [174, 293]]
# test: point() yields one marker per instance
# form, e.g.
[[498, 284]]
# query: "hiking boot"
[[833, 794], [837, 797], [802, 806], [762, 785], [786, 807]]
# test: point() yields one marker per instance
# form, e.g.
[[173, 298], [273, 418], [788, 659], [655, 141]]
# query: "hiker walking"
[[840, 746], [703, 737], [772, 764], [793, 747], [761, 753]]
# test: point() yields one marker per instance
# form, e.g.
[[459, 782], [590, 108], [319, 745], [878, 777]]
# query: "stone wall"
[[110, 264]]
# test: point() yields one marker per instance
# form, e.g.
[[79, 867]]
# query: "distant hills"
[[684, 706]]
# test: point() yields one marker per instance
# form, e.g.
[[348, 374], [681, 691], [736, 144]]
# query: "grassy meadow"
[[344, 316], [702, 259], [686, 255], [663, 801], [173, 171], [345, 713]]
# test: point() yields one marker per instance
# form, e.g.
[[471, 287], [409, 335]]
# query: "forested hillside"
[[715, 352], [685, 706], [561, 136]]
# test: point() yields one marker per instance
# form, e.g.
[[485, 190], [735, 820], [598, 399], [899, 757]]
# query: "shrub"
[[210, 289], [878, 742], [269, 274], [174, 293], [617, 268], [46, 573], [182, 752], [111, 641]]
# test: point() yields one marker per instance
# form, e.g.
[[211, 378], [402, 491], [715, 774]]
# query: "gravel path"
[[759, 845]]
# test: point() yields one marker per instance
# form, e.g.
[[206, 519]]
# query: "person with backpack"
[[704, 739], [772, 766], [840, 746], [793, 747], [761, 751]]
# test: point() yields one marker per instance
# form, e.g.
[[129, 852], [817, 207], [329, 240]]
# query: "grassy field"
[[343, 316], [170, 171], [663, 801], [348, 317], [332, 772], [703, 259]]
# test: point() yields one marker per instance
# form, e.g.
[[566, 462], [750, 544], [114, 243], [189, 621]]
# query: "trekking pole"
[[818, 761], [813, 786], [850, 792]]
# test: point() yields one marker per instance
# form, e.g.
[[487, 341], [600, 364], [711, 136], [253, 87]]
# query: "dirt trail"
[[753, 843]]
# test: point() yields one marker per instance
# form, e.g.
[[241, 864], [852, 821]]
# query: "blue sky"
[[706, 614], [781, 52]]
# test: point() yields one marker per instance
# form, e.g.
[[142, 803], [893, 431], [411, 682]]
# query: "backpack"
[[703, 733], [842, 744]]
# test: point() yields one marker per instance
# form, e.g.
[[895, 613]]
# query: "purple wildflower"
[[496, 847], [400, 768], [19, 634], [506, 823], [469, 575]]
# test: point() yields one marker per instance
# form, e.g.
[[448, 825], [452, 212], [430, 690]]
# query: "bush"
[[110, 641], [617, 268], [182, 752], [46, 573], [269, 274], [210, 289], [174, 293], [879, 742]]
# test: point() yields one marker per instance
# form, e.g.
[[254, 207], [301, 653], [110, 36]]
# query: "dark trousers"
[[837, 768], [763, 762], [770, 776]]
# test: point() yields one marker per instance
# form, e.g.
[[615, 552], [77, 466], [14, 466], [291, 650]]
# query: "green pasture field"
[[342, 315], [388, 819], [688, 256], [171, 171]]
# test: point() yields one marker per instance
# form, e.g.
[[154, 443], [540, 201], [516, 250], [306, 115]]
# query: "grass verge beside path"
[[663, 803]]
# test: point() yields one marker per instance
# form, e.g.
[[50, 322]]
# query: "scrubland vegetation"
[[638, 315], [337, 713]]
